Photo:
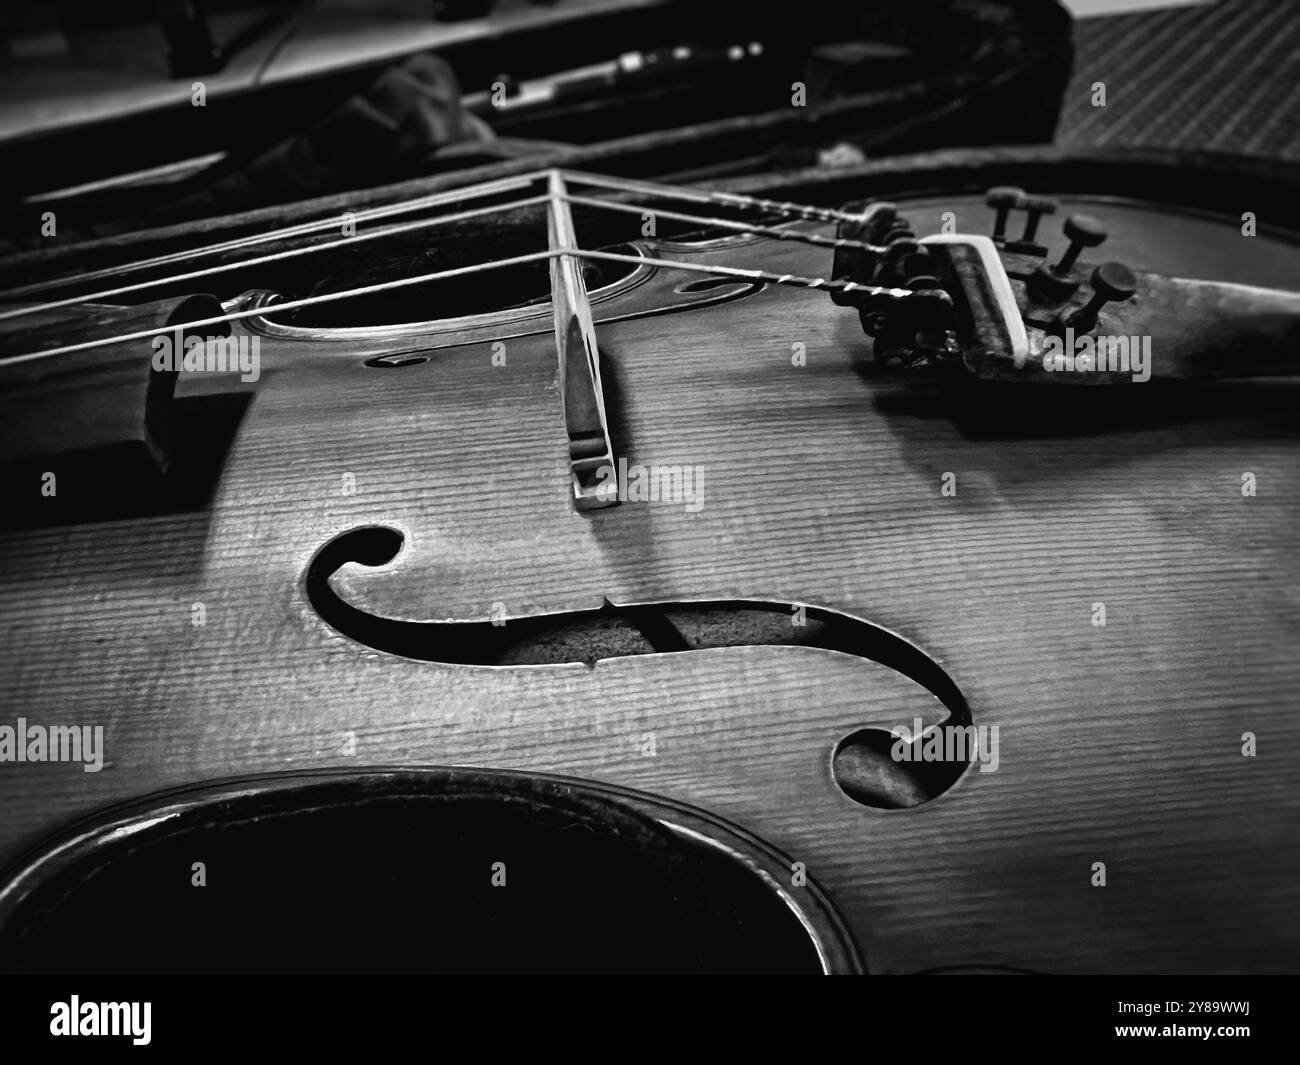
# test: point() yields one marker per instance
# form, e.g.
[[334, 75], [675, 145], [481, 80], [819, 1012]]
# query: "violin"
[[888, 573]]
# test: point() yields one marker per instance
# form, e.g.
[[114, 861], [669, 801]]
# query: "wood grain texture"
[[1119, 744]]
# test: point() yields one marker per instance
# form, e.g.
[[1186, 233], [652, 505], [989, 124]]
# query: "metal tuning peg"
[[1084, 231], [1027, 243], [1003, 198], [1057, 283], [1111, 282]]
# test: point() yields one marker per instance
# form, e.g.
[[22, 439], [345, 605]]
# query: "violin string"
[[747, 274], [288, 305], [402, 228], [288, 253], [787, 209], [726, 223], [713, 270], [302, 229]]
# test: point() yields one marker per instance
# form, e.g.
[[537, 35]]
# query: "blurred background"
[[146, 113]]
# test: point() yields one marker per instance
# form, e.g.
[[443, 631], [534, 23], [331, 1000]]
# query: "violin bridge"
[[591, 456]]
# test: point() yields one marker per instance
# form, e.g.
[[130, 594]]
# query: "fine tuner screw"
[[1110, 282], [1002, 198], [1037, 206], [1084, 231]]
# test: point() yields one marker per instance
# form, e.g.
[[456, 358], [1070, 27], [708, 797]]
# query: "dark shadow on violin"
[[125, 481], [1261, 408]]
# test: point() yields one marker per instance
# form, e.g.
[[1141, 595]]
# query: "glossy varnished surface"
[[822, 484]]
